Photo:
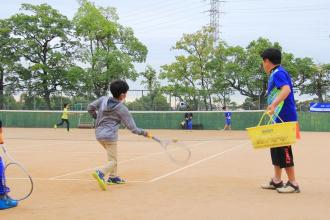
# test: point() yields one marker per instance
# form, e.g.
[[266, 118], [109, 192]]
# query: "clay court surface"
[[221, 180]]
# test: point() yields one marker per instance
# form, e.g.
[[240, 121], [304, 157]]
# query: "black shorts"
[[282, 156]]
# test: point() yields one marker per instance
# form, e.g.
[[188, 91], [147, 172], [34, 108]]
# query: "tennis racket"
[[176, 151], [15, 178]]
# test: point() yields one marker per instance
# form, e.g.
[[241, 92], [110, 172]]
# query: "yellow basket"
[[273, 135]]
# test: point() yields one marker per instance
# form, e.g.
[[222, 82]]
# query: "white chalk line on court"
[[122, 140], [196, 163], [56, 178], [102, 152], [70, 179], [93, 168], [74, 152], [122, 162]]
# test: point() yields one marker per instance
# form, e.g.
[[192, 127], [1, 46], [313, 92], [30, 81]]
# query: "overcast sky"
[[302, 27]]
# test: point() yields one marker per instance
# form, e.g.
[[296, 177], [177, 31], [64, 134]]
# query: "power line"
[[178, 23], [150, 9], [282, 9], [162, 16]]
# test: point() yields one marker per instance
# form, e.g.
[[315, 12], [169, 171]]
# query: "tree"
[[190, 73], [29, 101], [305, 105], [181, 83], [154, 100], [243, 70], [250, 104], [10, 102], [145, 103], [46, 46], [220, 86], [199, 47], [9, 62], [319, 83], [300, 69], [109, 49], [150, 80]]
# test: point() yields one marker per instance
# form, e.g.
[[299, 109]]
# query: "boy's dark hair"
[[118, 87], [273, 55], [65, 105]]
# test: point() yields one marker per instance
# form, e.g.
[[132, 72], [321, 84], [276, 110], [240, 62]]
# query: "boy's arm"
[[285, 91], [282, 82], [93, 107], [129, 122]]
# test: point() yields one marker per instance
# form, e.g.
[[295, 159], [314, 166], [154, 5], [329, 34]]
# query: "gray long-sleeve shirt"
[[110, 113]]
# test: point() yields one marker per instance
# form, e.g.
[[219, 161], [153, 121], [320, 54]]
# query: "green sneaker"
[[99, 176]]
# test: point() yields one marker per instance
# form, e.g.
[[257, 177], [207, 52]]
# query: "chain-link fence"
[[145, 100]]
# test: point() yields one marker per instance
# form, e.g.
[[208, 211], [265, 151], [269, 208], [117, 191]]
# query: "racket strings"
[[14, 163], [176, 151]]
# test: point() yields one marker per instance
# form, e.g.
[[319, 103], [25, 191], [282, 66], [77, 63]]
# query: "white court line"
[[196, 163], [93, 168], [125, 161], [135, 181], [72, 179], [75, 152]]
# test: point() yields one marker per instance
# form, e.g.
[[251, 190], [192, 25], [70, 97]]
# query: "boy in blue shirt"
[[228, 119], [280, 101], [188, 120]]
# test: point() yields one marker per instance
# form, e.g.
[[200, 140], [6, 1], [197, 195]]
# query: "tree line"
[[43, 52]]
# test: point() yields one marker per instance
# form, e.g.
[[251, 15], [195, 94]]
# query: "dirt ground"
[[221, 181]]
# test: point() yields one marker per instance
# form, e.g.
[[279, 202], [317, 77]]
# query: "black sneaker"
[[272, 185], [115, 180], [289, 188]]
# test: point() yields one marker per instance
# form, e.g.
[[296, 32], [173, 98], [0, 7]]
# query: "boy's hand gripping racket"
[[175, 150]]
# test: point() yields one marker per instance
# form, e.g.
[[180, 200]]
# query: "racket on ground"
[[14, 176], [177, 152]]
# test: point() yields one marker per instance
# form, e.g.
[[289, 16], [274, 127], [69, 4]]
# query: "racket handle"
[[148, 135], [156, 139]]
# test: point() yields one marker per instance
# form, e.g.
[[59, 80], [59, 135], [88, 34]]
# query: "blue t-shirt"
[[286, 109], [228, 115]]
